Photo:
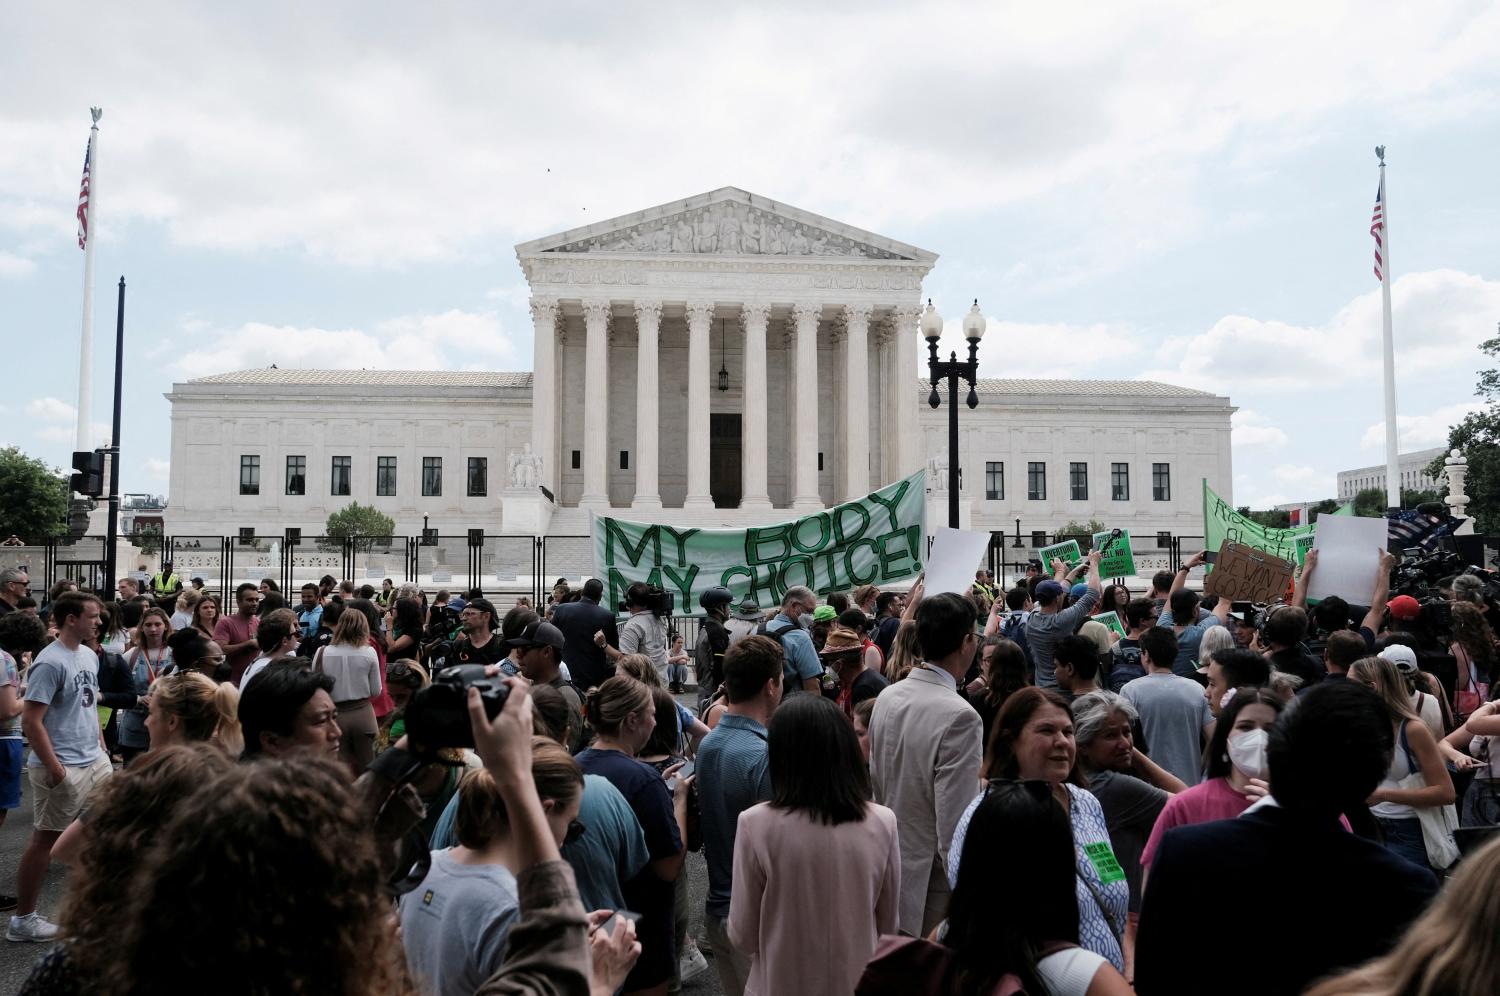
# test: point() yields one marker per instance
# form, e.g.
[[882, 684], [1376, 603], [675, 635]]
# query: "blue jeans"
[[1404, 837]]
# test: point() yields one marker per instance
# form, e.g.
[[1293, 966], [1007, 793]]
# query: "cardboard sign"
[[1118, 561], [1112, 620], [1244, 574], [1067, 550]]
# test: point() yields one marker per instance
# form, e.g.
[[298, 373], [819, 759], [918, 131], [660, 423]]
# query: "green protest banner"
[[1112, 620], [876, 539], [1118, 561], [1067, 550], [1221, 522]]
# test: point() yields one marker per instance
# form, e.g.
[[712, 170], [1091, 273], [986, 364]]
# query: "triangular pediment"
[[726, 222]]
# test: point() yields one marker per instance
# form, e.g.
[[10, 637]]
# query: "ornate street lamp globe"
[[974, 322], [932, 322]]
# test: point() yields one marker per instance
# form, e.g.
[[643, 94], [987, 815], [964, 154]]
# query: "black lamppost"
[[952, 369]]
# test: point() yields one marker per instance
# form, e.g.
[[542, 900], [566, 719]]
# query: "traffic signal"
[[89, 479]]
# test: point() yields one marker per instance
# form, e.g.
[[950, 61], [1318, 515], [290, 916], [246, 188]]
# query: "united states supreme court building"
[[723, 360]]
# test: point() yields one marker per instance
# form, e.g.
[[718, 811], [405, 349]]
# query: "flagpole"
[[86, 342], [1392, 455]]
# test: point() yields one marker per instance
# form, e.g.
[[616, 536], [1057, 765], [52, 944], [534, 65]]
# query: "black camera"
[[438, 715], [655, 598]]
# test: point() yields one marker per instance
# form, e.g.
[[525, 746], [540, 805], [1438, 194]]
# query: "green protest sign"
[[1118, 561], [1221, 522], [1304, 544], [1067, 550], [1112, 620], [876, 539]]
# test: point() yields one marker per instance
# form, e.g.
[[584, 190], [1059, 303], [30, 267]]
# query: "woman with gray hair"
[[1131, 789]]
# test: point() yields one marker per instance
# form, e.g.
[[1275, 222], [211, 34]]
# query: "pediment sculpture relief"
[[728, 229]]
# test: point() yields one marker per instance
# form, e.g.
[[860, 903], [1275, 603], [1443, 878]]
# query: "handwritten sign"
[[1244, 574], [1118, 561]]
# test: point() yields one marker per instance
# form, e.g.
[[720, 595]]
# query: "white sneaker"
[[692, 963], [32, 927]]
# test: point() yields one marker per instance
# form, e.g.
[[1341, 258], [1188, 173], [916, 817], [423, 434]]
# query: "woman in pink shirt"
[[1236, 768], [817, 870]]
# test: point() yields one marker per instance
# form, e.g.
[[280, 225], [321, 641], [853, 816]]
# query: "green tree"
[[1370, 501], [1327, 506], [1477, 437], [362, 522], [33, 497], [1271, 518], [148, 539], [1083, 532]]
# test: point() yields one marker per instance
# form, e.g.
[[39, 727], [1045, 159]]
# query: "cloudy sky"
[[1177, 191]]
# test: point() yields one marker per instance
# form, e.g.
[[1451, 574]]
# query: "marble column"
[[647, 427], [700, 317], [544, 313], [756, 449], [904, 390], [805, 496], [595, 405], [856, 401]]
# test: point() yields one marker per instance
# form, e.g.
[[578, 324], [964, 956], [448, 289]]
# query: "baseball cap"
[[825, 613], [1405, 658], [1048, 590], [1078, 589], [1404, 607], [539, 634]]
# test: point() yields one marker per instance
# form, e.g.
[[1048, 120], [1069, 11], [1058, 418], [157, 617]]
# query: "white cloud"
[[1440, 317], [15, 267], [452, 340], [1042, 350], [99, 435], [51, 410], [388, 139], [1420, 432], [1250, 428]]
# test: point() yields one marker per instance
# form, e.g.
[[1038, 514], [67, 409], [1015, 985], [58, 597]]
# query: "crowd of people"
[[893, 792]]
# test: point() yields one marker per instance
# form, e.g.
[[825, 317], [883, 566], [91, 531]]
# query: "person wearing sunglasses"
[[455, 925], [1033, 741]]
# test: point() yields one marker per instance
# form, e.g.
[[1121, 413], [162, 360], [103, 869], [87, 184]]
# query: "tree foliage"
[[359, 521], [1083, 532], [33, 497], [1477, 437]]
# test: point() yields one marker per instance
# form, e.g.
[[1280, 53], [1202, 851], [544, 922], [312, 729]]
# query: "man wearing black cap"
[[579, 621], [541, 646]]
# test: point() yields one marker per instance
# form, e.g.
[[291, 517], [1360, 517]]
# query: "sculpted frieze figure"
[[726, 229]]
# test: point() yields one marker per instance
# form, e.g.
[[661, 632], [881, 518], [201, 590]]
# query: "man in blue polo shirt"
[[803, 671], [733, 775]]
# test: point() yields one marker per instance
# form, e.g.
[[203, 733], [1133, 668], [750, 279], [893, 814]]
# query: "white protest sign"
[[956, 555], [1349, 550]]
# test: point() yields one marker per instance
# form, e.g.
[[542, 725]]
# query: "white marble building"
[[814, 325], [1411, 466]]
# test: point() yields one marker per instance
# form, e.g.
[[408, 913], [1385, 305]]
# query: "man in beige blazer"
[[925, 753]]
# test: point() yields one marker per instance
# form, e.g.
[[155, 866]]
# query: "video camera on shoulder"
[[654, 598], [438, 714]]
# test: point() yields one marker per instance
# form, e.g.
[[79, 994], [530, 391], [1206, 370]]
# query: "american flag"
[[1418, 529], [1377, 229], [83, 202]]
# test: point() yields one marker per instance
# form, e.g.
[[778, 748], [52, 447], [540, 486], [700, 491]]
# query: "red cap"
[[1404, 607]]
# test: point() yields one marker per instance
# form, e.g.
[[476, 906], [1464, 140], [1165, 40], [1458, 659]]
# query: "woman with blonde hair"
[[187, 601], [1394, 806], [904, 655], [623, 713], [1215, 638], [351, 661], [690, 727], [1449, 949], [190, 708]]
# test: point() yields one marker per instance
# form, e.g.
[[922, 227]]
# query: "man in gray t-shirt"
[[1049, 622], [61, 721], [1174, 713], [454, 926]]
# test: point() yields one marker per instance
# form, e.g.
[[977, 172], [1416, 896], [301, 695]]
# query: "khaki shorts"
[[54, 807]]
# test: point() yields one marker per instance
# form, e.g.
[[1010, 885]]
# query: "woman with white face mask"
[[1235, 775]]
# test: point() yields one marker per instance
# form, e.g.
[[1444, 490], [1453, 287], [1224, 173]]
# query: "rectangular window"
[[1078, 481], [994, 481], [479, 477], [296, 475], [624, 459], [249, 475], [385, 476], [1036, 482], [1119, 482], [1161, 482], [577, 459], [342, 466], [432, 477]]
